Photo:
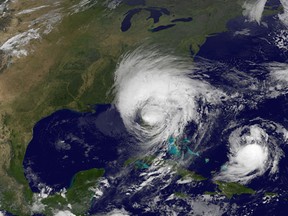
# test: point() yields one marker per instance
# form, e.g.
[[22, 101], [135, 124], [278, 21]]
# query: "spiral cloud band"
[[156, 95], [251, 155]]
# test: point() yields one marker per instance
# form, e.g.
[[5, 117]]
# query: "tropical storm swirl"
[[253, 152], [199, 128], [157, 97]]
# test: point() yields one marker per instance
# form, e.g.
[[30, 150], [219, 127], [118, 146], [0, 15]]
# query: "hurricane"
[[253, 151], [157, 95]]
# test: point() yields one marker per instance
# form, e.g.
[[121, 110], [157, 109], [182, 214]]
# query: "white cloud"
[[253, 9], [31, 10], [156, 96], [15, 45], [251, 155], [64, 213], [284, 16]]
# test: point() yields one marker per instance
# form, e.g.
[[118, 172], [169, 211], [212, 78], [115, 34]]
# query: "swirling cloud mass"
[[252, 153], [156, 96]]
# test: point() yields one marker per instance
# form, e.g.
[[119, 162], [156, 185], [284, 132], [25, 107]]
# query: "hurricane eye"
[[158, 92]]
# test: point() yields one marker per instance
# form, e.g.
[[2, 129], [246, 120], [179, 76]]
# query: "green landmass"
[[229, 189], [270, 10], [72, 67], [270, 194], [78, 195], [140, 163], [184, 173], [130, 161], [181, 195], [210, 193]]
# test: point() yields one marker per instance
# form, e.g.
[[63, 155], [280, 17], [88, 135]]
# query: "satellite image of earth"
[[144, 107]]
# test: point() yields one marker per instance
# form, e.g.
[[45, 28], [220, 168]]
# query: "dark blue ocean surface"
[[244, 51], [271, 110], [275, 4], [236, 55], [67, 142], [6, 213], [241, 54]]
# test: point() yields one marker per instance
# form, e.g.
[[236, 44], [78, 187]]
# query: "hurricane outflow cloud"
[[156, 95], [251, 154]]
